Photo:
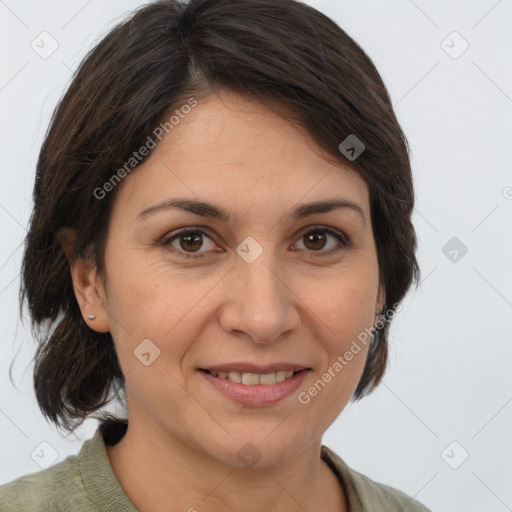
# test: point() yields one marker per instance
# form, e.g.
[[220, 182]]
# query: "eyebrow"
[[215, 212]]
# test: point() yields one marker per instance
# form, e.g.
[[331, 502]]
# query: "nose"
[[259, 304]]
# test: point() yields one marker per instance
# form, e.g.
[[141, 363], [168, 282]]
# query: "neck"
[[158, 470]]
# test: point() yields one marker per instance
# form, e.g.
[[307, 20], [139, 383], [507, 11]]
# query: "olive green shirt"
[[86, 483]]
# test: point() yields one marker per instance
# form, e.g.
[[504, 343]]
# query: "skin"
[[297, 302]]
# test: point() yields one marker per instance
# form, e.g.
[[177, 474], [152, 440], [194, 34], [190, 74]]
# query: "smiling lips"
[[266, 387]]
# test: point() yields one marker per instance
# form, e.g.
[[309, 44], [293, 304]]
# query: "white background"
[[449, 376]]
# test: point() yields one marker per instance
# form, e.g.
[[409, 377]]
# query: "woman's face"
[[264, 285]]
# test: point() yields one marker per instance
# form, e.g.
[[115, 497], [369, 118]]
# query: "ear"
[[89, 291]]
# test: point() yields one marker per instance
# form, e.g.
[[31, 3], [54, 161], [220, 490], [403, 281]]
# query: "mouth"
[[265, 387], [252, 379]]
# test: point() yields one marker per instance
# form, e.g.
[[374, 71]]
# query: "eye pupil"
[[315, 237], [191, 237]]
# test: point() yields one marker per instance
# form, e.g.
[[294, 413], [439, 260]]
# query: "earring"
[[91, 317]]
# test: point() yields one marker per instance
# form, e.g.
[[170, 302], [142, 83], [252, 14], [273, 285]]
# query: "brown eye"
[[188, 242], [318, 239], [315, 240]]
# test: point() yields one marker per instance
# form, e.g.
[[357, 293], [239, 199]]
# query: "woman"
[[221, 235]]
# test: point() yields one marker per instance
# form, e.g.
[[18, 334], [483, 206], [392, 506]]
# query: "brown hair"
[[278, 51]]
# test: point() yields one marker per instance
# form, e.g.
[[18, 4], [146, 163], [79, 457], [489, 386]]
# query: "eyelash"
[[344, 242]]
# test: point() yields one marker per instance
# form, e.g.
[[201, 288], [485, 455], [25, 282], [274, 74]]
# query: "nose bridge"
[[261, 303]]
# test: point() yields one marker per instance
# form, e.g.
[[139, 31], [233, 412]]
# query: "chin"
[[248, 448]]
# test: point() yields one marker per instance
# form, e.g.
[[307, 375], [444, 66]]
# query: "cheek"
[[347, 305], [149, 301], [347, 309]]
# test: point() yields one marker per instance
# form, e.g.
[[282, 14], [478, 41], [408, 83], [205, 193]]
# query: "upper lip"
[[254, 368]]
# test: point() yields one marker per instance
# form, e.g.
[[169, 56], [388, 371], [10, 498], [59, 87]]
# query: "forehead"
[[235, 152]]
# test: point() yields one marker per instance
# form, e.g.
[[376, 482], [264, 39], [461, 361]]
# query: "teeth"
[[280, 376], [235, 377], [250, 379]]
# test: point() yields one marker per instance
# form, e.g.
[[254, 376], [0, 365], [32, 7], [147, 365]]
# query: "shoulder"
[[365, 494], [383, 495], [83, 482], [40, 491]]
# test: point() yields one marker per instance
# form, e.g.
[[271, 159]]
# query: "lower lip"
[[256, 395]]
